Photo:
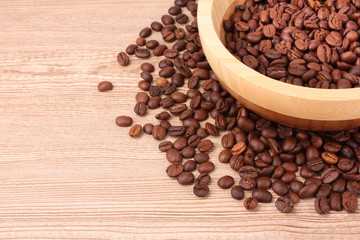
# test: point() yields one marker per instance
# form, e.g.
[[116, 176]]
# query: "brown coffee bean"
[[186, 178], [262, 195], [206, 167], [248, 172], [308, 190], [329, 175], [158, 132], [165, 146], [131, 49], [349, 202], [156, 26], [280, 188], [135, 131], [226, 182], [201, 190], [284, 205], [173, 170], [174, 156], [123, 59], [237, 192], [105, 86], [335, 201], [250, 203], [238, 148], [124, 121], [142, 53], [147, 128], [322, 205]]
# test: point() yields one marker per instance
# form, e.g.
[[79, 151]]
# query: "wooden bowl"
[[295, 106]]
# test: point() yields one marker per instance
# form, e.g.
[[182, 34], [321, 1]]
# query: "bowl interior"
[[321, 107]]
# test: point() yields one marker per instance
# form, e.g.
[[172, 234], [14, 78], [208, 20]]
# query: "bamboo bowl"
[[295, 106]]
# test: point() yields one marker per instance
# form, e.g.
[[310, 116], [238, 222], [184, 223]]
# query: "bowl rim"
[[261, 81]]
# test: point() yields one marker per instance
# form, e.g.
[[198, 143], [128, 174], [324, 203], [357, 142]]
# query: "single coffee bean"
[[181, 18], [165, 146], [284, 205], [238, 148], [105, 86], [173, 170], [339, 186], [247, 183], [262, 195], [353, 187], [280, 188], [189, 166], [131, 49], [335, 201], [248, 172], [237, 192], [135, 131], [159, 50], [226, 182], [140, 109], [174, 10], [201, 190], [173, 156], [186, 178], [142, 53], [329, 175], [156, 26], [201, 157], [206, 167], [349, 202], [147, 128], [203, 178], [322, 205], [205, 146], [324, 191], [123, 59], [250, 203], [263, 182], [308, 191], [159, 132], [124, 121]]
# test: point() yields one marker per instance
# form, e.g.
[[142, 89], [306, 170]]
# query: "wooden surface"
[[66, 170], [305, 108]]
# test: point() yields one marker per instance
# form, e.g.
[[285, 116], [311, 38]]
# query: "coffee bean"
[[226, 182], [140, 108], [339, 186], [156, 26], [349, 202], [123, 59], [171, 53], [142, 53], [205, 146], [174, 10], [329, 175], [237, 192], [203, 178], [284, 205], [145, 32], [167, 20], [308, 190], [124, 121], [158, 132], [322, 205], [247, 183], [181, 18], [250, 203], [280, 188], [135, 131], [173, 156], [165, 146], [189, 166], [147, 128], [105, 86], [263, 182], [131, 49], [262, 195], [238, 148], [206, 167], [201, 190], [167, 72], [173, 170], [248, 172], [335, 201], [159, 50], [324, 191], [186, 178]]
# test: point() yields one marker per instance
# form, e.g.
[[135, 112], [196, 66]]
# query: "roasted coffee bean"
[[238, 148], [322, 205], [353, 187], [135, 131], [147, 128], [308, 191], [262, 195], [329, 175], [296, 186], [174, 10], [247, 183], [131, 49], [181, 18], [203, 178], [147, 67], [189, 166], [349, 202], [142, 53], [174, 156], [248, 172], [156, 26], [339, 186], [140, 109], [226, 182], [123, 59], [250, 203], [335, 201], [173, 170], [280, 188], [263, 182], [324, 191], [158, 132], [124, 121], [284, 205], [237, 192], [165, 146], [105, 86], [201, 190], [206, 167], [186, 178]]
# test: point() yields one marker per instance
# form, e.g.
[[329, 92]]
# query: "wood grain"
[[67, 171]]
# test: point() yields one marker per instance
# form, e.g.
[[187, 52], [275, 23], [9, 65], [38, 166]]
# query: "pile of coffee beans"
[[270, 158], [303, 42]]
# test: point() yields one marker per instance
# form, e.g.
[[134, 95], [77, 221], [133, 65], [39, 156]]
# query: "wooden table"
[[68, 172]]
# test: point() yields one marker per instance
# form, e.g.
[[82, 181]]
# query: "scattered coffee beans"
[[307, 43]]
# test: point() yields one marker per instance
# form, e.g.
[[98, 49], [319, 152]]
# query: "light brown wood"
[[66, 170], [306, 108]]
